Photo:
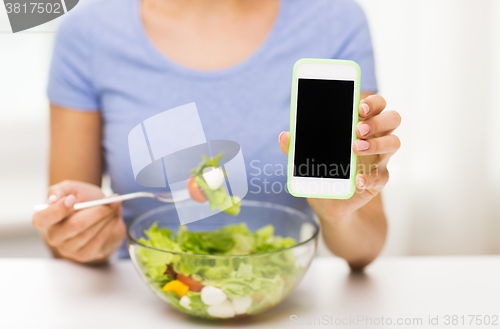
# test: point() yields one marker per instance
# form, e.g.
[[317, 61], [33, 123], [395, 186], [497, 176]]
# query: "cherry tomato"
[[195, 191], [191, 283]]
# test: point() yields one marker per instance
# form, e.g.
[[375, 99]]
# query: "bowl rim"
[[249, 203]]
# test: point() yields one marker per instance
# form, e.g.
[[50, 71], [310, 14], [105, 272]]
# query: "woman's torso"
[[248, 103]]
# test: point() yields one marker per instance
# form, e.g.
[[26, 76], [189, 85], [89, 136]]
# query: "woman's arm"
[[356, 229], [87, 236], [358, 237], [75, 146]]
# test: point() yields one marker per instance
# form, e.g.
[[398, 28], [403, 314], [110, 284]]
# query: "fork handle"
[[99, 202]]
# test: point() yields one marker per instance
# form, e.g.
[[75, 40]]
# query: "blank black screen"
[[323, 133]]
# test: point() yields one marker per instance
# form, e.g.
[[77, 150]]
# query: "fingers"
[[284, 140], [60, 190], [82, 191], [115, 239], [62, 208], [80, 235], [80, 222], [380, 124], [72, 245], [371, 106], [94, 250], [373, 181], [97, 242], [381, 145]]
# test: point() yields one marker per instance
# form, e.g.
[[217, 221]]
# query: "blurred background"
[[437, 64]]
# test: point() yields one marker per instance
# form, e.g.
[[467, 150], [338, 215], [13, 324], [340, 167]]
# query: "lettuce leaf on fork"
[[216, 198]]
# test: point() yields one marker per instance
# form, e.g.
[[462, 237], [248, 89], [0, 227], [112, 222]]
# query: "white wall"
[[24, 59], [437, 65]]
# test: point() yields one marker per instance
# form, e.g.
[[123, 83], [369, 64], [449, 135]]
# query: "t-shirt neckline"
[[166, 62]]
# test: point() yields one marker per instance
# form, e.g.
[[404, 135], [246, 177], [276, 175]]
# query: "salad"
[[201, 273], [214, 286], [206, 184]]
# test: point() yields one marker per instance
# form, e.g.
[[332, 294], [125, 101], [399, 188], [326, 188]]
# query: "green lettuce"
[[155, 261]]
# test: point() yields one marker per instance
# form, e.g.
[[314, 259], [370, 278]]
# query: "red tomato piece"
[[191, 283], [195, 191]]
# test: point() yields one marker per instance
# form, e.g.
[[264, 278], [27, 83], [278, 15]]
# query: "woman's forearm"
[[358, 237], [76, 159]]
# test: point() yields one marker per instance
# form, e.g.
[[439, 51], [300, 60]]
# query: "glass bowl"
[[231, 285]]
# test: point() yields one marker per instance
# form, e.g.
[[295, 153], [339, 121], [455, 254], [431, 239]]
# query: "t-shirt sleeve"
[[71, 70], [353, 40]]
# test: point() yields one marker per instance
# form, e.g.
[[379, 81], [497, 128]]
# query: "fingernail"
[[280, 138], [360, 182], [362, 145], [52, 198], [363, 129], [70, 201], [364, 108]]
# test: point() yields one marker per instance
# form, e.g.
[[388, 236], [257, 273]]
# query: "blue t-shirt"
[[103, 61]]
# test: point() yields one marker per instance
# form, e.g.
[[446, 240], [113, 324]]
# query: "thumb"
[[284, 140], [45, 218]]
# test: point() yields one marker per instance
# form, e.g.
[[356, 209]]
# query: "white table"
[[45, 293]]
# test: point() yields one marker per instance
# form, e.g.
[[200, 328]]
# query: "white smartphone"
[[323, 119]]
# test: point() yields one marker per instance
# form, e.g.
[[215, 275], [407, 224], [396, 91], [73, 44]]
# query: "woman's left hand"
[[375, 146]]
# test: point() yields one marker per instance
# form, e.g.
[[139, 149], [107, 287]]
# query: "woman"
[[118, 62]]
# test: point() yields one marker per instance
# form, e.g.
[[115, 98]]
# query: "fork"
[[163, 197]]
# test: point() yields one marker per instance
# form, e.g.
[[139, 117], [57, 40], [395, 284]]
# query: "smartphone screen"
[[323, 133]]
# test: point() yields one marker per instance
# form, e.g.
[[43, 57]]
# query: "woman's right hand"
[[85, 236]]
